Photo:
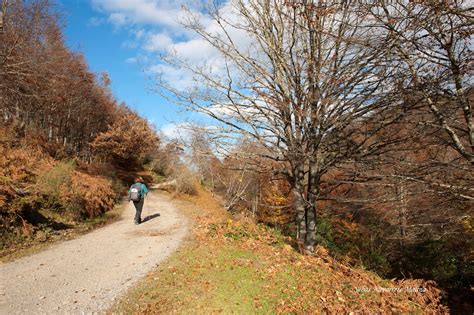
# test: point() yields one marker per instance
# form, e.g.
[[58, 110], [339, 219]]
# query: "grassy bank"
[[234, 266]]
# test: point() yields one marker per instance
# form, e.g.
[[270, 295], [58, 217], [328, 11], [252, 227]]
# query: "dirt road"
[[86, 274]]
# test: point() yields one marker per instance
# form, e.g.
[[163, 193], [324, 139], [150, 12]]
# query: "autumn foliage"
[[48, 91], [394, 213], [92, 195], [36, 189], [237, 266], [68, 148], [127, 141]]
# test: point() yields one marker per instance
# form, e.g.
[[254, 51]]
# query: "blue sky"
[[117, 37]]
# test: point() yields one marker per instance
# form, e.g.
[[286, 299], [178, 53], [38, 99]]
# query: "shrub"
[[90, 196], [54, 182], [117, 178], [19, 167], [76, 193], [186, 182], [450, 269]]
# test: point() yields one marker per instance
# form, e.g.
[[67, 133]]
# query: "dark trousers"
[[138, 207]]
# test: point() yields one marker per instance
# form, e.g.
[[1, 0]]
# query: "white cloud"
[[138, 33], [196, 50], [118, 19], [198, 53], [177, 131], [158, 42], [180, 79], [244, 110], [154, 26], [154, 12]]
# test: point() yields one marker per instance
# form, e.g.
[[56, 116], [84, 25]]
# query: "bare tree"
[[306, 85], [201, 154], [431, 49]]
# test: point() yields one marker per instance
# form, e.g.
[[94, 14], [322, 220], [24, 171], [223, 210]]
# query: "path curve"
[[86, 274]]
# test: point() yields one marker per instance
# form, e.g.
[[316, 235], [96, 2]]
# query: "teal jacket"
[[143, 190]]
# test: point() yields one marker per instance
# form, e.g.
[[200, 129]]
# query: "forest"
[[68, 147], [346, 125]]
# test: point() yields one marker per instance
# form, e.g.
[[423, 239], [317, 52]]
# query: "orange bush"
[[30, 180], [90, 196], [127, 141], [277, 210], [19, 167]]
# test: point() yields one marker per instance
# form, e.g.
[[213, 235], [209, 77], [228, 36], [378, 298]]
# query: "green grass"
[[227, 278], [235, 267], [199, 279]]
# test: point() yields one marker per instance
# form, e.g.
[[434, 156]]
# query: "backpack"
[[135, 192]]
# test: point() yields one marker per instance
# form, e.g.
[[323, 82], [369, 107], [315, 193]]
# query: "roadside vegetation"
[[231, 265], [347, 125], [356, 233]]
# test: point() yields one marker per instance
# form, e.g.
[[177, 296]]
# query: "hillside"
[[68, 147], [234, 266]]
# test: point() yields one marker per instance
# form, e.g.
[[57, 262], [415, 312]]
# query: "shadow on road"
[[150, 217]]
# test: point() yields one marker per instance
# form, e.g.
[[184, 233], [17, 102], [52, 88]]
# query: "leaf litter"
[[237, 266]]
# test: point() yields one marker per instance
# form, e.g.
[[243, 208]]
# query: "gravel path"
[[86, 274]]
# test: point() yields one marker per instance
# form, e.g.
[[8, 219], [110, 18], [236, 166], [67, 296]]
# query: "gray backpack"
[[135, 194]]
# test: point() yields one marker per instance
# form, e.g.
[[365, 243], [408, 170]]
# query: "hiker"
[[137, 193]]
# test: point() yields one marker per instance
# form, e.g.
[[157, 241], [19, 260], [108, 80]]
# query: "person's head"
[[137, 179]]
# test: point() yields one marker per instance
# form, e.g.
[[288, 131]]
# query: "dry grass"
[[232, 266]]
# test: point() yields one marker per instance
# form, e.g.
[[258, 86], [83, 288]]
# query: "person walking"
[[137, 193]]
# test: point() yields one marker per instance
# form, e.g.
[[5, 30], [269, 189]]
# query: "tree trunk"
[[402, 217], [310, 241], [299, 204], [313, 193]]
